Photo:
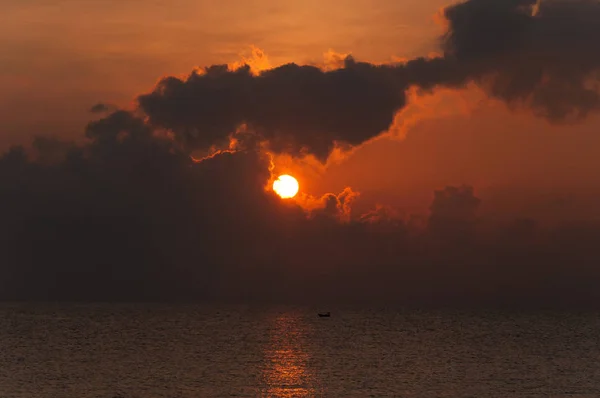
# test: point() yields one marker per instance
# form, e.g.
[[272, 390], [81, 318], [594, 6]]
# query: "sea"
[[181, 351]]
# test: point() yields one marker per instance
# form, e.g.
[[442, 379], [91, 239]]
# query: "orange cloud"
[[338, 206], [333, 60], [255, 58], [439, 103]]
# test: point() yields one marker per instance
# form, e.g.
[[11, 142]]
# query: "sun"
[[286, 186]]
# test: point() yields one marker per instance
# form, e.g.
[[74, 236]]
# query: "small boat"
[[324, 314]]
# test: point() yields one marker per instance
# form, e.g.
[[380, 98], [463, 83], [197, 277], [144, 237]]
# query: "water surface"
[[148, 351]]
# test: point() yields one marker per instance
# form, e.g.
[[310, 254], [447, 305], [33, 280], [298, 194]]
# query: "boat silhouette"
[[324, 314]]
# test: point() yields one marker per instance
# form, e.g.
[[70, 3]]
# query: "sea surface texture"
[[151, 351]]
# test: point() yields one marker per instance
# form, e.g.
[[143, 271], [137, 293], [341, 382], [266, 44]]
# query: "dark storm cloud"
[[538, 56], [129, 215], [296, 108], [484, 28], [542, 55]]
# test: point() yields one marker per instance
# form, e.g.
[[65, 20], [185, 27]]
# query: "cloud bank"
[[535, 55], [130, 215]]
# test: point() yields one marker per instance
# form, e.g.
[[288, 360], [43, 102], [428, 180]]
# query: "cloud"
[[542, 60], [258, 61], [100, 108], [338, 207], [453, 212], [130, 216], [297, 109], [533, 53], [133, 214]]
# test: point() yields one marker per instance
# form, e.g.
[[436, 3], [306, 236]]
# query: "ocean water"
[[148, 351]]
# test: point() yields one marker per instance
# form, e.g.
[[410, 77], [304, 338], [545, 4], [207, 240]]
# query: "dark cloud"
[[129, 215], [50, 150], [528, 53], [538, 56], [298, 109], [101, 108], [453, 212], [485, 28]]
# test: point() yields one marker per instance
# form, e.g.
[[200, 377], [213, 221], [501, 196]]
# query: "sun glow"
[[286, 186]]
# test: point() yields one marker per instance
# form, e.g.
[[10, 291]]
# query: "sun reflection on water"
[[287, 372]]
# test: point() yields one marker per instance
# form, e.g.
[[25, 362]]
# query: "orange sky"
[[59, 57]]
